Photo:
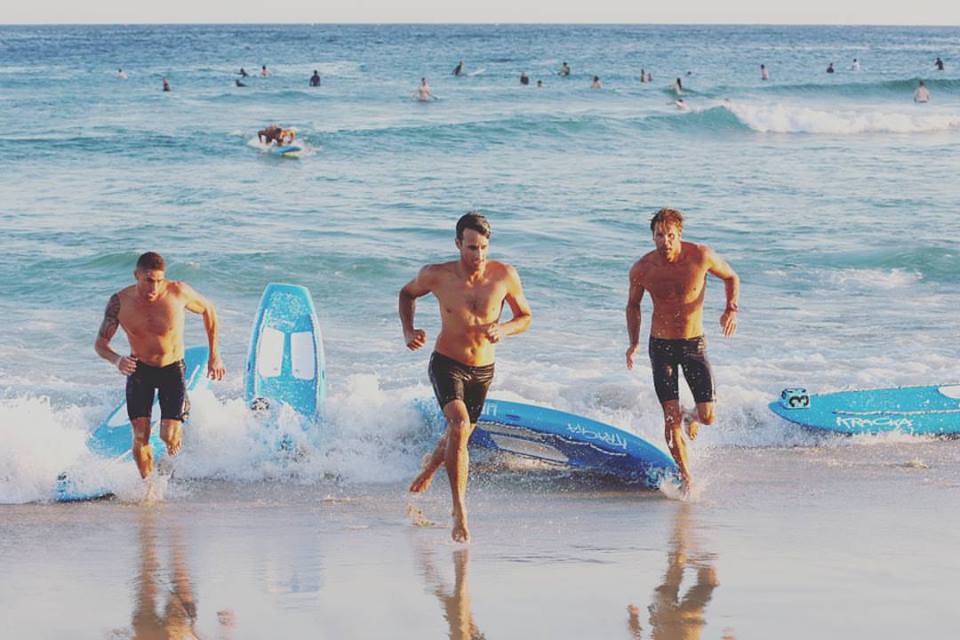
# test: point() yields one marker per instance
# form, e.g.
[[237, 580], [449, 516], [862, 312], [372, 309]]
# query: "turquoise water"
[[834, 197]]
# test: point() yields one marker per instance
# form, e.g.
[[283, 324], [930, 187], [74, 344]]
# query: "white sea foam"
[[783, 118], [871, 278]]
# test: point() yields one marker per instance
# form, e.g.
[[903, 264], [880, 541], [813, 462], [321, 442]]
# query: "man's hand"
[[215, 368], [631, 351], [728, 323], [127, 365], [494, 333], [415, 339]]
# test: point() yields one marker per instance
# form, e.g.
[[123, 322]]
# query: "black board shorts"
[[453, 380], [168, 381], [689, 354]]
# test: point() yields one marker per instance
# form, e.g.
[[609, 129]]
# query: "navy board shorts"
[[689, 354], [453, 380], [169, 382]]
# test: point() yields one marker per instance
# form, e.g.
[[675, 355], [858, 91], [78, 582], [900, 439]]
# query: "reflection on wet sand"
[[455, 602], [179, 615], [673, 617]]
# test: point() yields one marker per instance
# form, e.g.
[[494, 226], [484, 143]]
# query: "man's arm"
[[196, 303], [519, 307], [731, 282], [407, 307], [108, 329], [634, 298]]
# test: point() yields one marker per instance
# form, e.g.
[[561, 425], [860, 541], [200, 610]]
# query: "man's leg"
[[457, 461], [673, 431], [142, 452], [422, 482], [171, 432]]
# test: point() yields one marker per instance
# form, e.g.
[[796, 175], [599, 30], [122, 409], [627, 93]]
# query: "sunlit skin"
[[471, 292], [151, 313], [675, 274]]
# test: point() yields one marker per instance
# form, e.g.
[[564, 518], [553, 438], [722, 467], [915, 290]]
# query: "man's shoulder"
[[124, 294], [502, 269], [646, 262]]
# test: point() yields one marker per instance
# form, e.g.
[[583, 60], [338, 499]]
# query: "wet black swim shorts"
[[453, 380], [690, 354], [168, 381]]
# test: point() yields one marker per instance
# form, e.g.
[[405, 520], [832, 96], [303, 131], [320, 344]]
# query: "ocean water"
[[835, 198]]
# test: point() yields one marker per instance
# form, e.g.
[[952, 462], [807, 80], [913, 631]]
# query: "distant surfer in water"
[[764, 73], [938, 64], [471, 292], [564, 70], [830, 68], [264, 72], [524, 78], [121, 74], [458, 70], [596, 84], [243, 73], [151, 314], [275, 134], [675, 274], [423, 91], [855, 66], [922, 94], [166, 85], [315, 78]]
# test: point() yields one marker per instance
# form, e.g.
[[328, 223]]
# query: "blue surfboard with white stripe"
[[113, 439], [931, 410], [568, 441], [285, 362]]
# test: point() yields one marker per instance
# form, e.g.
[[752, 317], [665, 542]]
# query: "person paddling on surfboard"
[[275, 134], [471, 292], [151, 314], [675, 274]]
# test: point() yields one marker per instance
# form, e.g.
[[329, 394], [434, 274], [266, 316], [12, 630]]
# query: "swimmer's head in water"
[[667, 228]]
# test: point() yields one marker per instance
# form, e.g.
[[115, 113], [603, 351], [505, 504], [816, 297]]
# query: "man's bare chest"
[[480, 299], [151, 319]]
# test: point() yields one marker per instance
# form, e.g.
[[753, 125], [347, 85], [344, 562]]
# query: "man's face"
[[667, 238], [150, 283], [473, 249]]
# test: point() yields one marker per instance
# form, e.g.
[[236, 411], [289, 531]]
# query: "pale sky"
[[915, 12]]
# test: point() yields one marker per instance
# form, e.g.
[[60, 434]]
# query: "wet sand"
[[850, 541]]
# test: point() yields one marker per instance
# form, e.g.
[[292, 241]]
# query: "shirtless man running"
[[675, 274], [151, 314], [471, 292]]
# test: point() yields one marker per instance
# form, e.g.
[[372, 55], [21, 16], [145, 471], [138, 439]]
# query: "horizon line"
[[477, 24]]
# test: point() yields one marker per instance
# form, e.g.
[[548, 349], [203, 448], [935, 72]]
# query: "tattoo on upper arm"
[[111, 318]]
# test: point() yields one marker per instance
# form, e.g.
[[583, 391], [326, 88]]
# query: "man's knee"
[[141, 431], [705, 412]]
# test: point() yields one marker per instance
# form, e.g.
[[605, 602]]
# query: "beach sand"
[[789, 543]]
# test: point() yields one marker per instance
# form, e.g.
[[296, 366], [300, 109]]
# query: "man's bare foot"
[[422, 482], [692, 425], [460, 532], [172, 436]]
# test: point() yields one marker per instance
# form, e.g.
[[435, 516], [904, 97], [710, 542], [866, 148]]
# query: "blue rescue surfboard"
[[114, 437], [285, 362], [287, 149], [565, 440], [913, 410]]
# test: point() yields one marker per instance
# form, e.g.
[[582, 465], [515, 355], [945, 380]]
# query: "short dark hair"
[[475, 221], [667, 217], [151, 261]]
